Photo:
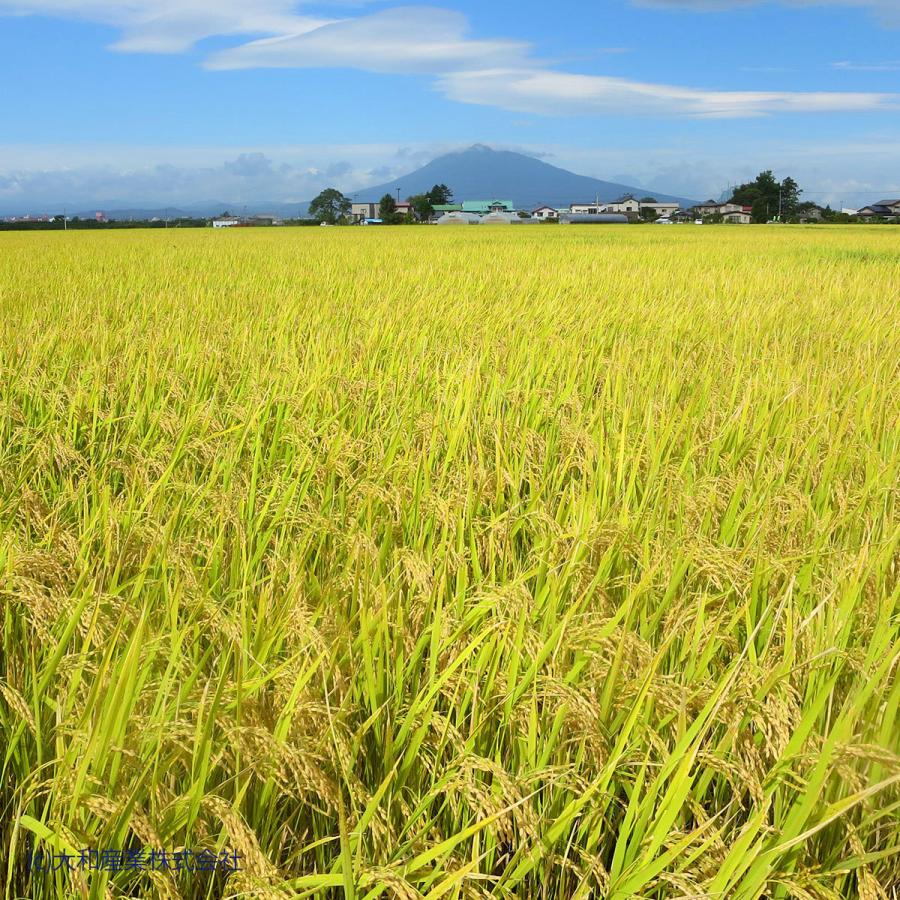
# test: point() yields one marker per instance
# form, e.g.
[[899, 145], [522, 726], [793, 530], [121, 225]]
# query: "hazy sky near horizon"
[[167, 102]]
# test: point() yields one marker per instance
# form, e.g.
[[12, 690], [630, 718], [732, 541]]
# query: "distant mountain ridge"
[[202, 210], [480, 173]]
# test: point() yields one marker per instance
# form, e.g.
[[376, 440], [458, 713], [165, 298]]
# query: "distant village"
[[624, 210]]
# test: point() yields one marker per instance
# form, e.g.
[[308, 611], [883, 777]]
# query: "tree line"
[[331, 207]]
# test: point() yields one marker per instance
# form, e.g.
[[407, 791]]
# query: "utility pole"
[[780, 189]]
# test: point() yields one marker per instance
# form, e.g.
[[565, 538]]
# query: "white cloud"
[[430, 41], [888, 66], [399, 40], [888, 11], [549, 92], [172, 26], [501, 74]]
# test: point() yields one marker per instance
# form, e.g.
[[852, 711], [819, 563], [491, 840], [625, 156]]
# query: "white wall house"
[[625, 205], [661, 209], [225, 221], [545, 212], [711, 208]]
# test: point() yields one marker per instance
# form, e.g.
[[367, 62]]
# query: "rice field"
[[401, 563]]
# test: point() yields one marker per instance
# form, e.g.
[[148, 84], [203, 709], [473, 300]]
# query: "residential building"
[[360, 212], [225, 221], [483, 207], [543, 213], [265, 219], [626, 205], [711, 208], [586, 209], [884, 209], [810, 214], [737, 217], [663, 210]]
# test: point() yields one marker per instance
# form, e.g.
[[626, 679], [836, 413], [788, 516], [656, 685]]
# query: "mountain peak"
[[480, 171]]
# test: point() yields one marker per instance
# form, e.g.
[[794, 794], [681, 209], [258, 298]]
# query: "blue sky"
[[175, 101]]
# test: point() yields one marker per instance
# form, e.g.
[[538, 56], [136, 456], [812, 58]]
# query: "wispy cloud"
[[888, 11], [429, 41], [402, 40], [890, 66], [549, 92], [172, 26]]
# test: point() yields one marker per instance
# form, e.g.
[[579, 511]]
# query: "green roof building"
[[483, 207]]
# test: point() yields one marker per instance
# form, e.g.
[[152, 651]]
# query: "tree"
[[387, 210], [790, 198], [331, 207], [422, 206], [440, 194], [768, 197]]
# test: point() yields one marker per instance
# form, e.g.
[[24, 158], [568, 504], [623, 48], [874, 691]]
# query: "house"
[[483, 207], [810, 213], [737, 217], [626, 205], [711, 208], [265, 219], [441, 209], [542, 213], [360, 212], [884, 209], [225, 221], [682, 215], [586, 209], [663, 210]]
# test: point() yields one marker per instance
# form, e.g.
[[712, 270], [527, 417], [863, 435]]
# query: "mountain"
[[481, 173]]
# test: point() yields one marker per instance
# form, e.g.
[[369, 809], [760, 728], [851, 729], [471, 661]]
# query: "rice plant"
[[411, 563]]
